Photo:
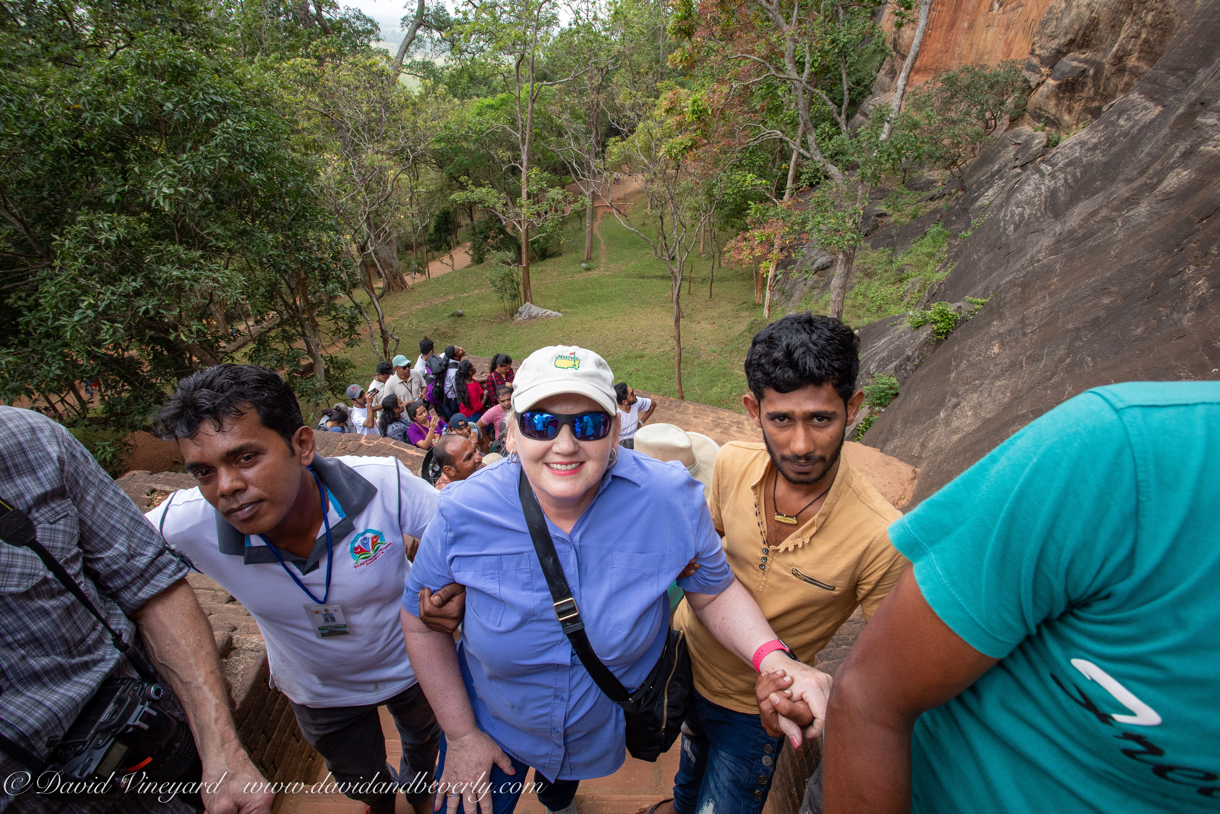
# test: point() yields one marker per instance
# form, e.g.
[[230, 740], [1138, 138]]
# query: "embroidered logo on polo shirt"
[[367, 546], [569, 362]]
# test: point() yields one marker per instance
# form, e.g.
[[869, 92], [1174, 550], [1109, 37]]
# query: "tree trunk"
[[690, 278], [758, 284], [767, 295], [409, 39], [677, 293], [838, 283], [589, 221], [218, 314], [389, 340], [787, 197], [904, 75], [387, 260], [526, 291]]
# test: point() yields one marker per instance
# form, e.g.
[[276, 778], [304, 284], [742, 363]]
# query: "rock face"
[[1086, 53], [1101, 260], [962, 32], [1079, 55]]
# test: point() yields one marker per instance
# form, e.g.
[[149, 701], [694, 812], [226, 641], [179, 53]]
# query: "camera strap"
[[17, 529]]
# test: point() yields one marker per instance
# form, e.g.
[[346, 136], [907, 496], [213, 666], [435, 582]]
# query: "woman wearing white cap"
[[512, 694]]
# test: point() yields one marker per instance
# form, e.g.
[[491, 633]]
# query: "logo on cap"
[[569, 362]]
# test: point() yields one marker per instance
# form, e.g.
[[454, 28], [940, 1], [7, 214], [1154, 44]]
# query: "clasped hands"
[[792, 701]]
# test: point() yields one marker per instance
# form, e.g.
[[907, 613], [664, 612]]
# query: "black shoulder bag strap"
[[17, 529], [565, 606]]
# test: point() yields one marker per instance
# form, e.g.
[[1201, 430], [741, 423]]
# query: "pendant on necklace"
[[783, 518]]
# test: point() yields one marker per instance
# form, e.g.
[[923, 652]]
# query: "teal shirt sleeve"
[[1039, 526]]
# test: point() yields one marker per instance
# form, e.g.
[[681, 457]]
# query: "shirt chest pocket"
[[499, 588], [20, 567], [637, 582]]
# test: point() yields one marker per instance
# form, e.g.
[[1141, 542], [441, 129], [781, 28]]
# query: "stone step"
[[636, 785]]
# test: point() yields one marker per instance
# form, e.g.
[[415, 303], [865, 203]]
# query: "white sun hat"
[[693, 450], [561, 369]]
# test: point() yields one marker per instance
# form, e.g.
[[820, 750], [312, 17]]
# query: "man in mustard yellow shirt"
[[803, 530]]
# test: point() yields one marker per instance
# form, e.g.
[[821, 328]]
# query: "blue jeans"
[[506, 788], [728, 760]]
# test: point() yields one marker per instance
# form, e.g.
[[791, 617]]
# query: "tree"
[[821, 53], [370, 133], [679, 169], [956, 111], [904, 75], [580, 108], [517, 31], [150, 202]]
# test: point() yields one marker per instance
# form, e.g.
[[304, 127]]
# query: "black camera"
[[123, 729]]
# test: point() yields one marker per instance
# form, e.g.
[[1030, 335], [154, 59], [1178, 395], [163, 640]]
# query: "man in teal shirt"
[[1056, 644]]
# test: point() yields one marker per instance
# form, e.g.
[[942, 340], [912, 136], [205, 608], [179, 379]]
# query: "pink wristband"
[[763, 651]]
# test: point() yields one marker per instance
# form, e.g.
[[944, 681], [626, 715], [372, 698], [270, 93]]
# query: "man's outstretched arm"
[[180, 642], [905, 662]]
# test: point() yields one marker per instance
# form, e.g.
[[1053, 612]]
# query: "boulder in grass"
[[531, 311]]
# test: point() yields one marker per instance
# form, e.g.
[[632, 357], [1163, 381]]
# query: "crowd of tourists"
[[590, 582]]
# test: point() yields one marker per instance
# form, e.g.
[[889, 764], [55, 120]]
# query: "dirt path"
[[456, 260], [624, 194]]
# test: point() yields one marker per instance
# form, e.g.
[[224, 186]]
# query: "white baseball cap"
[[560, 369]]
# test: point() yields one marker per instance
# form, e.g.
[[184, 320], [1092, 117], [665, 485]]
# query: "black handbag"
[[654, 712]]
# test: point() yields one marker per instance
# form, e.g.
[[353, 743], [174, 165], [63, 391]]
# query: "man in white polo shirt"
[[633, 411], [313, 548]]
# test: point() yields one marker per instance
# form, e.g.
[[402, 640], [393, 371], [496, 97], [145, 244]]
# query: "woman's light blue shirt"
[[528, 688]]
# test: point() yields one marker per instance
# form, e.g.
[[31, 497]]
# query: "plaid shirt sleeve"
[[53, 653]]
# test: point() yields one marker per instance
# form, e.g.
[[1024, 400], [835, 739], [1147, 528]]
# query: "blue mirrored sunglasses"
[[545, 426]]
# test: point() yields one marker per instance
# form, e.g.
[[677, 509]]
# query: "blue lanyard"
[[329, 548]]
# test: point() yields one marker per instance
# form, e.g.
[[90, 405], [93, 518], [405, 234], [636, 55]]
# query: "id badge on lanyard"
[[326, 618]]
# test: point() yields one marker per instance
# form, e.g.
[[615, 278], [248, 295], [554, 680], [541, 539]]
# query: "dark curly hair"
[[463, 377], [801, 350], [225, 392], [387, 417]]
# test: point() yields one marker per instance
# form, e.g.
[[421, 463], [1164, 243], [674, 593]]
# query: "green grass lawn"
[[622, 312]]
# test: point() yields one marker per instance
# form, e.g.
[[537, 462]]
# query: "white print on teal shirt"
[[367, 547], [1144, 714], [1148, 753]]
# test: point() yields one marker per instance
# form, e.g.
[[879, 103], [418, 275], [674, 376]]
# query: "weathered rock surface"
[[1079, 55], [890, 347], [1100, 259], [962, 32], [1086, 53], [798, 277]]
